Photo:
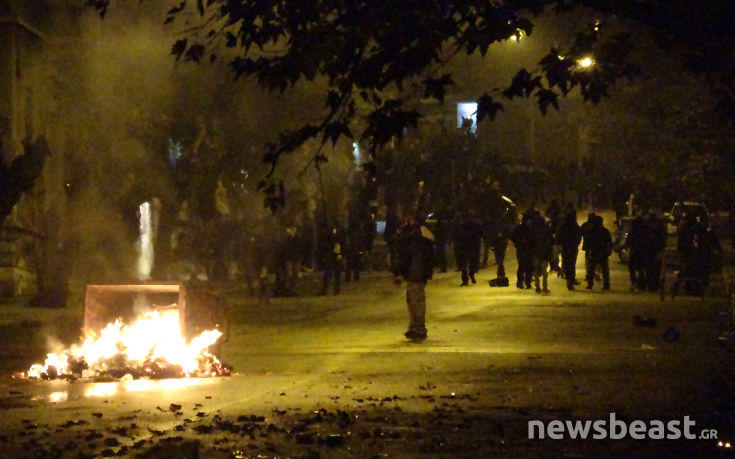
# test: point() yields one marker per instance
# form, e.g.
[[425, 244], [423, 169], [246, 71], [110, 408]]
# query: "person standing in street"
[[414, 263], [467, 246], [656, 236], [554, 217], [568, 237], [542, 240], [329, 256], [441, 233], [520, 236], [585, 228], [637, 241], [498, 225], [598, 247]]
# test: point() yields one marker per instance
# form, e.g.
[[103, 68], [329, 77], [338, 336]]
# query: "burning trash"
[[128, 332], [152, 346]]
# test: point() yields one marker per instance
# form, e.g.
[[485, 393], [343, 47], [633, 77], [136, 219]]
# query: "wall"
[[31, 96]]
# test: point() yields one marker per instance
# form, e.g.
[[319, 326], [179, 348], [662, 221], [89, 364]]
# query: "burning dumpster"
[[154, 330], [198, 310]]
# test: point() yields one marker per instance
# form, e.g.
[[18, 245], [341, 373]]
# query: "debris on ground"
[[671, 334], [644, 321]]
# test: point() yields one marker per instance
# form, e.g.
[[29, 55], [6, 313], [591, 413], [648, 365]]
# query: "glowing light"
[[100, 390], [144, 385], [586, 62], [145, 260], [516, 36], [171, 384], [356, 152], [55, 397], [152, 344], [140, 385]]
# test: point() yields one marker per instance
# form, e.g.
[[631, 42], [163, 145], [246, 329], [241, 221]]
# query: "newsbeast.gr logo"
[[616, 429]]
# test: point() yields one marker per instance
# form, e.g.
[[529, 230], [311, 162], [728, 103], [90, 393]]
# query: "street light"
[[586, 62]]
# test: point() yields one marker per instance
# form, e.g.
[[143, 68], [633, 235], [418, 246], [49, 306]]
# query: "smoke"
[[54, 344], [114, 96], [120, 99], [145, 247]]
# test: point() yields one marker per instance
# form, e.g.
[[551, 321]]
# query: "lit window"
[[467, 110]]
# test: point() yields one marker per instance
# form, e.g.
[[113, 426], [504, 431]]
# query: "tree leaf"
[[177, 9], [179, 47], [194, 53], [436, 87], [545, 98], [486, 106], [230, 39]]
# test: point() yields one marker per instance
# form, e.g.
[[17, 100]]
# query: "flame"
[[151, 346], [55, 397]]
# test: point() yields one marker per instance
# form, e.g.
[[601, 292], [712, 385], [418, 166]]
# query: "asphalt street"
[[333, 376]]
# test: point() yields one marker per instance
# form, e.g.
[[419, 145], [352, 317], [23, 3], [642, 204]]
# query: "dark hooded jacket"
[[414, 258]]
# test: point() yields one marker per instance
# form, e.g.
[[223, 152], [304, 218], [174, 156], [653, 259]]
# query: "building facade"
[[32, 96]]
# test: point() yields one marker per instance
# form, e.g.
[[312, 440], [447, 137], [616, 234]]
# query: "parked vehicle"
[[679, 210], [622, 228]]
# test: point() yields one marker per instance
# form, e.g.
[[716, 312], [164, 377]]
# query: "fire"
[[151, 346]]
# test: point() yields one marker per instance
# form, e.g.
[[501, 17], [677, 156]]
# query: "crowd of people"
[[542, 241], [645, 241], [549, 242], [546, 243]]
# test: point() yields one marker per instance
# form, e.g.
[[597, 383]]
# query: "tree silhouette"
[[379, 62], [21, 174]]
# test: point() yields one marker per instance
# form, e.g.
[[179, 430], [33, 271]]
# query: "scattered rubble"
[[644, 321], [671, 334], [369, 429]]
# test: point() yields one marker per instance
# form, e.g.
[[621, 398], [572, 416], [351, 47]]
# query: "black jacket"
[[414, 258], [597, 241], [569, 235]]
